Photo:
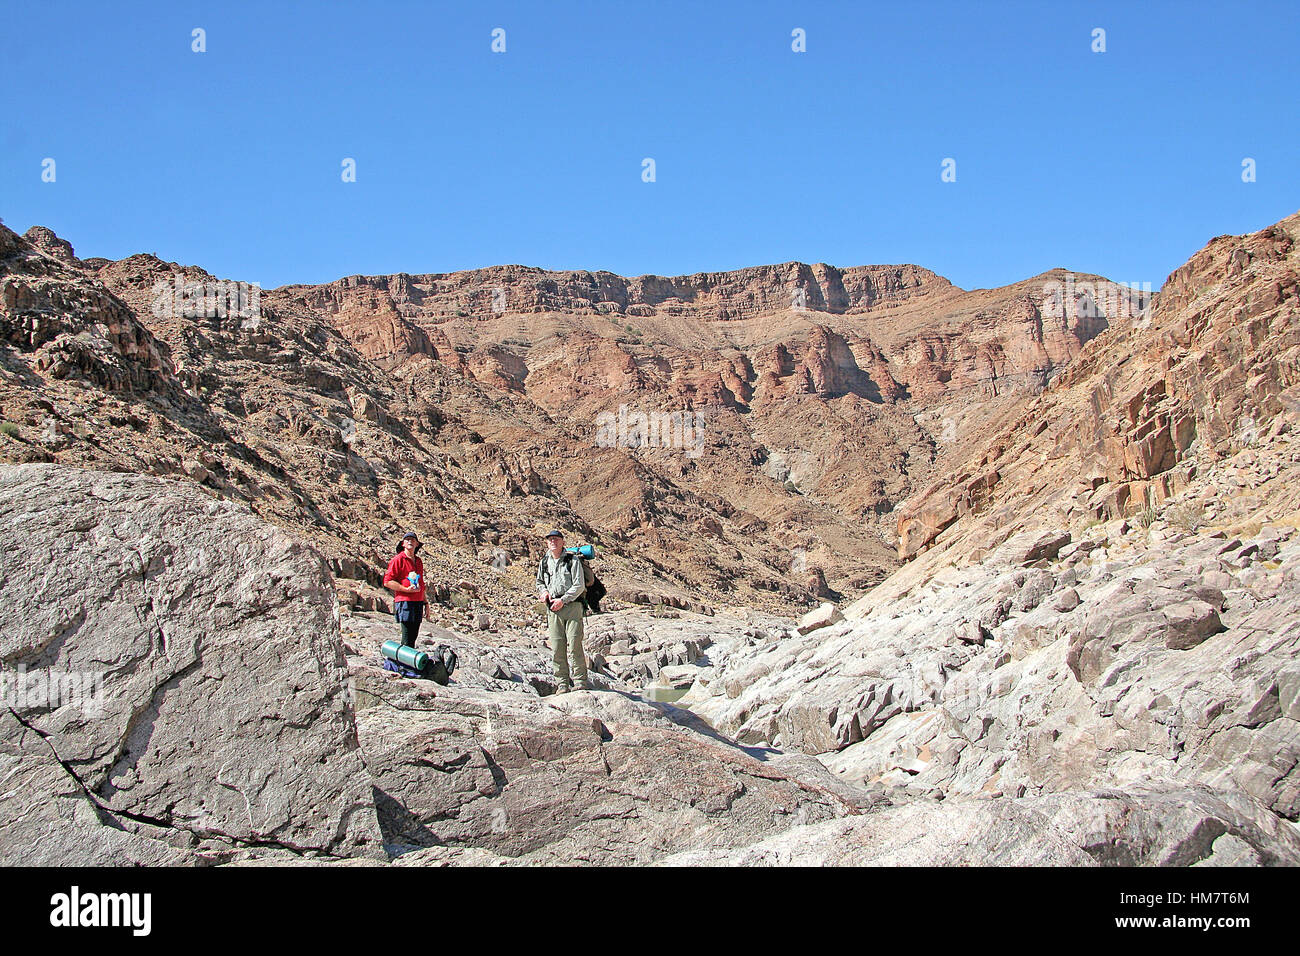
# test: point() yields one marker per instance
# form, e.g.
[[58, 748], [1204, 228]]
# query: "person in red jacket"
[[405, 578]]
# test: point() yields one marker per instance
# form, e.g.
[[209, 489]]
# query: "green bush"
[[9, 428]]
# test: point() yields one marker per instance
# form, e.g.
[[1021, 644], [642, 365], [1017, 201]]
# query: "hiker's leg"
[[576, 652], [403, 608], [411, 627], [559, 658]]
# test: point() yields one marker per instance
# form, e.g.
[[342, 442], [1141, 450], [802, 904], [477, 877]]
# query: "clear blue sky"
[[1121, 163]]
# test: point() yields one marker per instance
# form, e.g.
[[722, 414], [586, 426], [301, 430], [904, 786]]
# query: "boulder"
[[1065, 601], [1028, 547], [1190, 623], [214, 709], [1091, 828], [825, 615], [587, 777]]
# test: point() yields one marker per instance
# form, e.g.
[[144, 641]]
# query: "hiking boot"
[[563, 689], [582, 685]]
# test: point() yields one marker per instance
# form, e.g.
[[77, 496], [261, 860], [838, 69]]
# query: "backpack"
[[442, 663], [596, 592]]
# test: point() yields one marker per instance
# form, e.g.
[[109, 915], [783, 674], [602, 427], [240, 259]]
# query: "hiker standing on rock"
[[561, 584], [405, 578]]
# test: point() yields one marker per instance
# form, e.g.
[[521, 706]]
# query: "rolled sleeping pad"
[[586, 551], [409, 656]]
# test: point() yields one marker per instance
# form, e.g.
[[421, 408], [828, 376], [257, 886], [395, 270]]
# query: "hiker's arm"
[[542, 591], [392, 583], [579, 586]]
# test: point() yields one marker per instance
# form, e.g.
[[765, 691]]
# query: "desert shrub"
[[1187, 516]]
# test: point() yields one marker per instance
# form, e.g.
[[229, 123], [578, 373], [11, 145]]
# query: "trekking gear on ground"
[[442, 664], [437, 666], [402, 669], [402, 654]]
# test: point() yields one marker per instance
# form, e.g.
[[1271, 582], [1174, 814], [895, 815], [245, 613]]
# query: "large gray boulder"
[[50, 820], [216, 712], [488, 770], [1192, 827]]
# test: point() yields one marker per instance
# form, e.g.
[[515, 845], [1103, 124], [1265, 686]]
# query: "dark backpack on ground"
[[442, 663]]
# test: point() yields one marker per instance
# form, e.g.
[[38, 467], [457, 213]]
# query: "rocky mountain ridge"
[[468, 404]]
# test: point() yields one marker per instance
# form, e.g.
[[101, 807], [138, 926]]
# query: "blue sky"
[[1121, 163]]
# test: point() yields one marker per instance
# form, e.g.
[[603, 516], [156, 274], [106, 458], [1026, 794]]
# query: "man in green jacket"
[[561, 584]]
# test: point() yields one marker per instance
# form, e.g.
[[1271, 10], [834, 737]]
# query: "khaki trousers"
[[564, 627]]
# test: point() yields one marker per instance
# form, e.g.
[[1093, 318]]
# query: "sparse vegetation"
[[9, 428], [1187, 516]]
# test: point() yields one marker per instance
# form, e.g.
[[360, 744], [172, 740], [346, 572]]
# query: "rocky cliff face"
[[1137, 417], [1103, 597], [744, 293], [70, 331], [825, 395], [799, 405]]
